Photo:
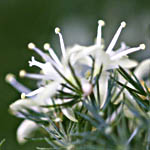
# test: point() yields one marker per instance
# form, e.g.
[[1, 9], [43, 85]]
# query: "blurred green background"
[[23, 21]]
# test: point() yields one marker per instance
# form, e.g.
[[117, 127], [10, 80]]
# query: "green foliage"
[[121, 126]]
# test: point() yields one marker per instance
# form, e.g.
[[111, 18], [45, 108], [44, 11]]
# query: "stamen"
[[38, 51], [53, 55], [10, 78], [62, 45], [115, 38], [23, 74], [128, 51], [101, 23]]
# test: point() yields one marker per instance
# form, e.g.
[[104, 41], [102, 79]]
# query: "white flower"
[[42, 95], [110, 59], [50, 80]]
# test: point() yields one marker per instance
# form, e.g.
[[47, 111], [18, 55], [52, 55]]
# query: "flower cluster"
[[70, 78]]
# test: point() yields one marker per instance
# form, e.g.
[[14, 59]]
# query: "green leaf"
[[135, 82], [125, 86], [75, 77]]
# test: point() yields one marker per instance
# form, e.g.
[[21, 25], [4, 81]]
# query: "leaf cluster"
[[117, 126]]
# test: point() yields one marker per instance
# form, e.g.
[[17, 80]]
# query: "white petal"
[[103, 87], [75, 48], [35, 92], [103, 58], [19, 105], [47, 68], [68, 112], [143, 70], [26, 130], [49, 91], [83, 53], [126, 62]]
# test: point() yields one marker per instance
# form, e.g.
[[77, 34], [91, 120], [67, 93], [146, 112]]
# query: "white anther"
[[142, 46], [123, 24], [22, 73], [57, 30], [101, 22], [9, 77], [46, 46], [31, 46]]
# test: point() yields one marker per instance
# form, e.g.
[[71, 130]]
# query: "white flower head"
[[79, 57], [42, 95], [110, 58], [55, 71]]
